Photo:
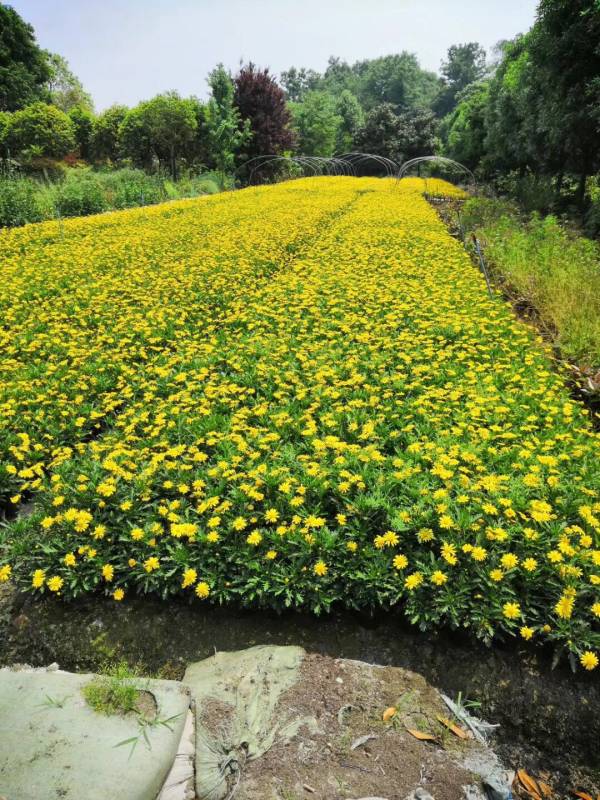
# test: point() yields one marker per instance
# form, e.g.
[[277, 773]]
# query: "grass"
[[115, 692], [82, 191], [553, 269]]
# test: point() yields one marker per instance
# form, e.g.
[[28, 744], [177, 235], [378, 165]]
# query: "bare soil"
[[348, 700]]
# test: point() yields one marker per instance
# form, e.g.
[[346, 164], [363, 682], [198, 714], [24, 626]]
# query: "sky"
[[125, 51]]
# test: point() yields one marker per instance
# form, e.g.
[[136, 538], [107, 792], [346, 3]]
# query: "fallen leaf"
[[529, 784], [424, 737], [545, 789], [456, 730], [583, 795], [389, 713]]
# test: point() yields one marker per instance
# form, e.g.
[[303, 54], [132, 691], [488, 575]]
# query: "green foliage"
[[226, 133], [399, 137], [113, 693], [396, 79], [297, 82], [18, 202], [551, 268], [316, 123], [24, 66], [65, 88], [351, 117], [81, 193], [162, 129], [40, 130], [83, 125], [465, 129], [465, 65], [104, 142]]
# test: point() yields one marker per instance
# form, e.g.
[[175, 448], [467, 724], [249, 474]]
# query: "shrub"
[[554, 269], [80, 194], [18, 202]]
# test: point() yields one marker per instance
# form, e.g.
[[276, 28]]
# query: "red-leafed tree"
[[261, 100]]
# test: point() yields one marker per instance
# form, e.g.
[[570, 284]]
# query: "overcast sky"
[[128, 50]]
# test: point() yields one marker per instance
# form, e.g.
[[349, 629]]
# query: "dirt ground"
[[348, 700]]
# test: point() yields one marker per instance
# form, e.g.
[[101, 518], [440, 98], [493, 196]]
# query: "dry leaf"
[[460, 732], [389, 713], [424, 737], [529, 784], [583, 795], [545, 789]]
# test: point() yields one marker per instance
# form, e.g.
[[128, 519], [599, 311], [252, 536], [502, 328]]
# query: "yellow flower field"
[[291, 396]]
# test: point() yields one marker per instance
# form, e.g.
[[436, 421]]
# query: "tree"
[[104, 144], [316, 124], [83, 126], [565, 53], [261, 103], [163, 128], [297, 82], [40, 130], [226, 131], [398, 136], [516, 136], [396, 79], [66, 90], [466, 64], [465, 129], [24, 66], [351, 118], [4, 122], [380, 133]]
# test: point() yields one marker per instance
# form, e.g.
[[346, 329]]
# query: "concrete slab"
[[54, 747]]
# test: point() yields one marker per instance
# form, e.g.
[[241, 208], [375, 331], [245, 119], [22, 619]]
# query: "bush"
[[80, 194], [82, 191], [128, 188], [553, 268], [18, 202]]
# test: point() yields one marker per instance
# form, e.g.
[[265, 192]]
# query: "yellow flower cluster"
[[298, 395]]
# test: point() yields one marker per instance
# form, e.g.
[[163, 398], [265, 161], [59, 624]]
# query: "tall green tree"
[[104, 144], [24, 68], [396, 79], [40, 130], [398, 136], [297, 82], [83, 127], [316, 123], [464, 130], [351, 117], [66, 90], [163, 128], [564, 46], [465, 64], [226, 132]]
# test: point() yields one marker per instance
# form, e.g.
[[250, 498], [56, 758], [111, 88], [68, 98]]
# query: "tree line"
[[531, 109]]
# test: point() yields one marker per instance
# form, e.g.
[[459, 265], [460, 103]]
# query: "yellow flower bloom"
[[511, 610], [202, 590], [190, 577], [589, 660], [39, 578], [55, 583], [118, 594], [320, 568]]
